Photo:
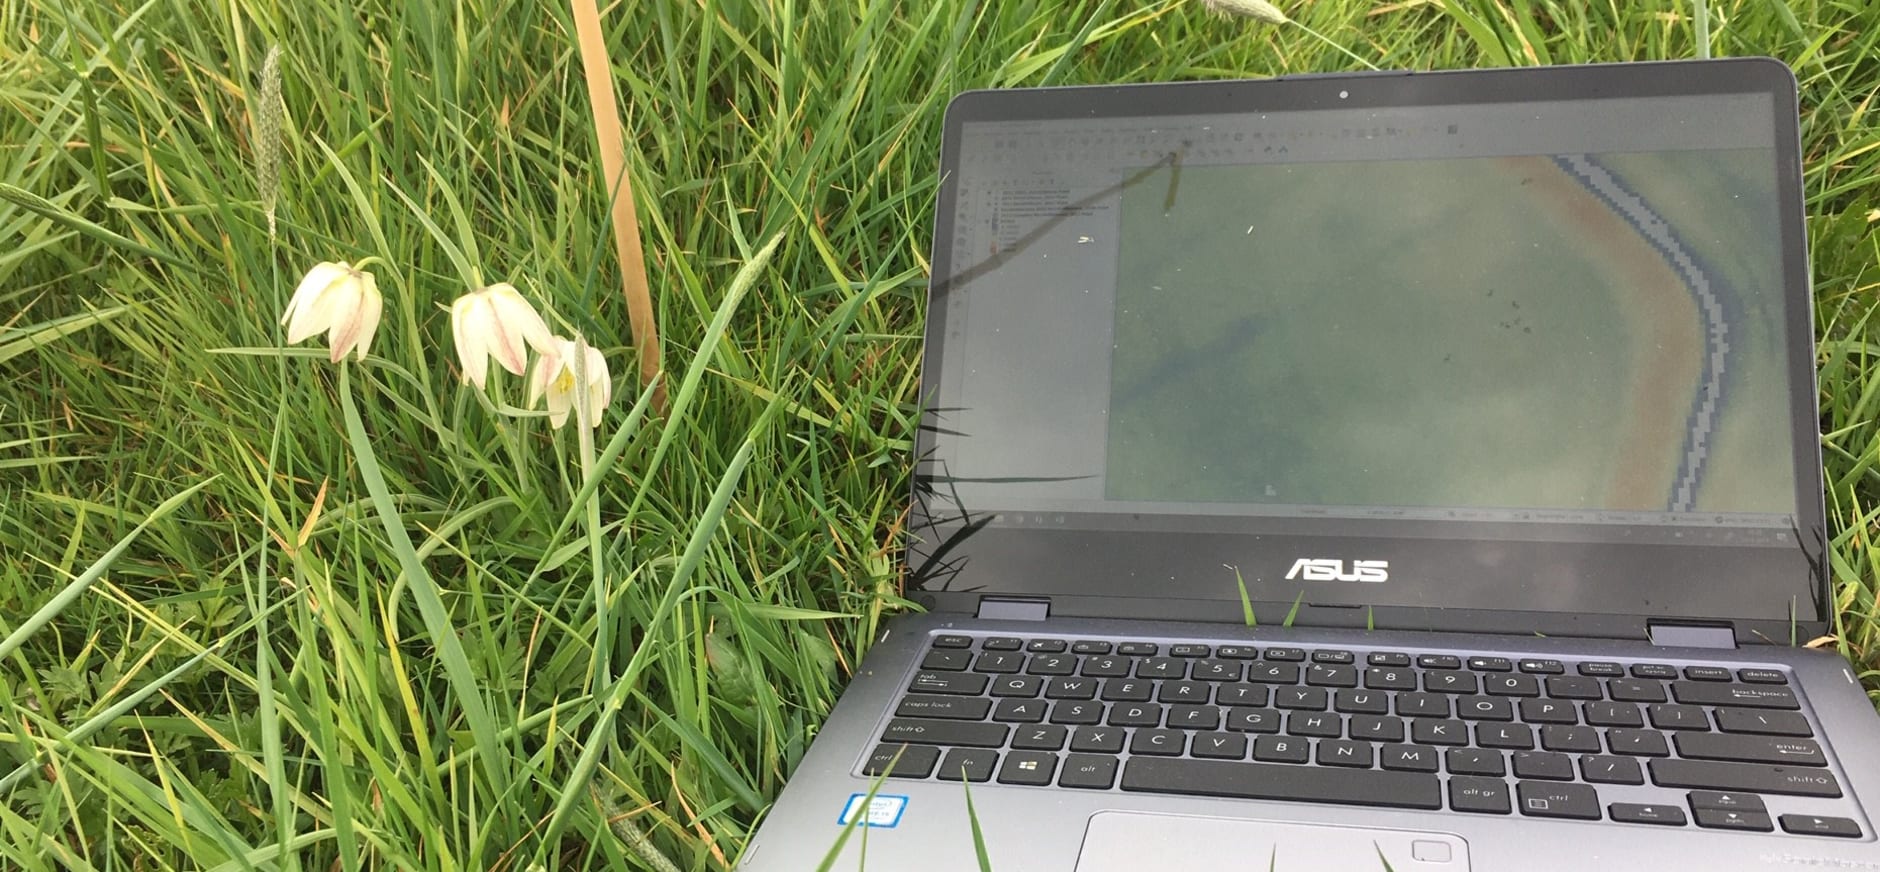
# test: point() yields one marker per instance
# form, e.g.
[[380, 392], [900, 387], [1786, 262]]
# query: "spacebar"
[[1282, 781]]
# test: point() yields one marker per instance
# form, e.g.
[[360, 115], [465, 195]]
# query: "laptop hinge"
[[1007, 609], [1692, 635]]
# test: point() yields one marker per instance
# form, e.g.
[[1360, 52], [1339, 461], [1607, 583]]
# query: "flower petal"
[[544, 372], [559, 403], [469, 357], [520, 317], [372, 308], [315, 281]]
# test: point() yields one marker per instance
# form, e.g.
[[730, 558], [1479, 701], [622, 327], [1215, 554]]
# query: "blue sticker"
[[883, 811]]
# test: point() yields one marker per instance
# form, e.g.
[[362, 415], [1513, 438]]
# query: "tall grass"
[[367, 637]]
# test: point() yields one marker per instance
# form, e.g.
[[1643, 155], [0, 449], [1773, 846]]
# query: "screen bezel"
[[1050, 562]]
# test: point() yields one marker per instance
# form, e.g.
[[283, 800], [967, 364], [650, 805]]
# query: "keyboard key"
[[1439, 661], [958, 684], [1194, 717], [1033, 768], [1433, 732], [1449, 681], [1247, 720], [1051, 664], [1374, 728], [1127, 690], [1809, 825], [1088, 772], [1423, 705], [1291, 783], [1338, 752], [1333, 657], [1215, 670], [1654, 670], [1040, 738], [1045, 646], [1273, 673], [1077, 712], [1289, 655], [1090, 646], [1613, 714], [1542, 667], [1474, 761], [1519, 737], [1511, 685], [901, 761], [1138, 649], [1543, 765], [1762, 676], [1319, 725], [1279, 749], [1019, 711], [1484, 708], [1763, 722], [1017, 685], [1099, 740], [1105, 666], [1573, 687], [952, 641], [1738, 695], [969, 764], [1388, 658], [1638, 743], [1639, 813], [1184, 691], [1750, 749], [952, 708], [1301, 698], [1727, 801], [1752, 777], [1706, 673], [1490, 664], [1327, 675], [948, 660], [1237, 652], [1669, 716], [1365, 702], [1408, 758], [931, 732], [1545, 799], [1071, 688], [1636, 690], [1161, 667], [1611, 770], [1479, 795], [1601, 669], [1219, 746], [1002, 643], [1574, 739], [1189, 650], [1241, 694], [1748, 821], [1390, 678], [1548, 711], [1135, 715]]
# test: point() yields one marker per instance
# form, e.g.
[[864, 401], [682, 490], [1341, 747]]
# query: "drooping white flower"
[[496, 322], [339, 300], [555, 377]]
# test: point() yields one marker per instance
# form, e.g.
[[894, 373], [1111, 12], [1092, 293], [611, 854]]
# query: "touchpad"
[[1120, 841]]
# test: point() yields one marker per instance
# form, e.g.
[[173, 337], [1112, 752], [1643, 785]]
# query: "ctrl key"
[[901, 761], [1809, 825]]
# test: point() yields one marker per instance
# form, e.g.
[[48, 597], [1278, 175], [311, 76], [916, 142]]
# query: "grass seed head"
[[1258, 10], [267, 117]]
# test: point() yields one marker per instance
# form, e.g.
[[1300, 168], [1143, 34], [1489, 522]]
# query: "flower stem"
[[584, 435], [1329, 41]]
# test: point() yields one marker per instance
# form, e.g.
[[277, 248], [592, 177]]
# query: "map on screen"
[[1577, 331]]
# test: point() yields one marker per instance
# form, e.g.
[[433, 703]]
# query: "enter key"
[[1750, 749]]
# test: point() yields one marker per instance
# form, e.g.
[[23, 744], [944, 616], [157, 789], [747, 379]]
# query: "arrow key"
[[1809, 825], [1639, 813], [1718, 819], [1721, 801]]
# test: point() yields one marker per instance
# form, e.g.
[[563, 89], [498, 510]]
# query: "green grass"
[[368, 640]]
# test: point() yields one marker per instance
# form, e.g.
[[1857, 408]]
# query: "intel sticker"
[[882, 811]]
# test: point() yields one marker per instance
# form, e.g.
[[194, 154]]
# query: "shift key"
[[956, 683], [929, 732]]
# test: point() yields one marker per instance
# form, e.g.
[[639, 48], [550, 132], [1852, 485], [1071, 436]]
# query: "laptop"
[[1359, 472]]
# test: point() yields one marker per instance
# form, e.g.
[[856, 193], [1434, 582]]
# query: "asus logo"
[[1316, 569]]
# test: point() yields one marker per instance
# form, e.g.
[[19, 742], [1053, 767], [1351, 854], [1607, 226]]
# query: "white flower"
[[339, 300], [555, 377], [496, 322]]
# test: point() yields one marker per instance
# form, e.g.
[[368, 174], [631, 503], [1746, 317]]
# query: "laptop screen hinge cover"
[[1692, 635], [1010, 609]]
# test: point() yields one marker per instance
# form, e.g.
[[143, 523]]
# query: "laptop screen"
[[1434, 327]]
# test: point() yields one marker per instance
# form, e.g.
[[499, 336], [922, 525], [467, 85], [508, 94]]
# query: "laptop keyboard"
[[1543, 738]]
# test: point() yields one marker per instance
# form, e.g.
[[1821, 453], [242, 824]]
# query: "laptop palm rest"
[[1118, 841]]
